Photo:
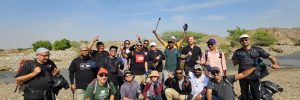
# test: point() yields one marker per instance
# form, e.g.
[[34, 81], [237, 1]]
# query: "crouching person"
[[130, 89], [178, 87], [100, 89], [153, 88], [221, 87]]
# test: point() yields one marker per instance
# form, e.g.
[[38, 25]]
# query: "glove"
[[185, 27]]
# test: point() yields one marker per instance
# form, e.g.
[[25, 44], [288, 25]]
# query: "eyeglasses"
[[242, 40], [103, 74], [146, 43], [139, 45]]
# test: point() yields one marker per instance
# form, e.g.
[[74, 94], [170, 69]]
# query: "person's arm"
[[24, 78], [88, 92], [55, 71], [183, 37], [124, 54], [209, 94], [274, 61], [145, 90], [244, 73], [158, 38], [92, 42], [235, 59], [72, 70], [223, 63], [146, 66], [112, 97]]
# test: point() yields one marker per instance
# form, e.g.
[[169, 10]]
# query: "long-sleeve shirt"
[[214, 60], [157, 89]]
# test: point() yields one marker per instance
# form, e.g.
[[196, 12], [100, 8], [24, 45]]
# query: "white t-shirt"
[[198, 83]]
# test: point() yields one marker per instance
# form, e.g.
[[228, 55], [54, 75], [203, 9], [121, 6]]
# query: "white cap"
[[153, 43], [198, 66], [173, 37], [40, 50], [244, 36]]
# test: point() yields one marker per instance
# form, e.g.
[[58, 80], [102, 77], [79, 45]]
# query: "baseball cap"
[[102, 70], [173, 37], [99, 43], [127, 72], [244, 36], [153, 43], [212, 41], [40, 50], [198, 66], [214, 69]]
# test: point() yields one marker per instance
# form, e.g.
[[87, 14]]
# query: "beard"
[[86, 57]]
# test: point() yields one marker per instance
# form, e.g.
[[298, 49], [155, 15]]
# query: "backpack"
[[22, 87], [94, 86], [220, 54]]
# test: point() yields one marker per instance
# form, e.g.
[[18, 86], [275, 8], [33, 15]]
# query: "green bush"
[[234, 36], [178, 34], [225, 49], [262, 38], [61, 44], [42, 43]]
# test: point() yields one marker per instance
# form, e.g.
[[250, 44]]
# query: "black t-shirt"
[[196, 53], [222, 90], [137, 64], [98, 56], [43, 79], [85, 70], [151, 60], [113, 66]]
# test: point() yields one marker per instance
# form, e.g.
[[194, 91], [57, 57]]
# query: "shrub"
[[225, 49], [297, 42], [42, 43], [262, 38], [61, 44], [178, 34], [234, 36]]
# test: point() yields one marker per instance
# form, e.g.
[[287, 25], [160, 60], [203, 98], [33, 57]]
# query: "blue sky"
[[25, 21]]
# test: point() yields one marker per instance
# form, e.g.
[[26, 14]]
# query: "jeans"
[[157, 97], [254, 89]]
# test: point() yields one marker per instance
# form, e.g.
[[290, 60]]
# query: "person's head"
[[100, 46], [128, 76], [102, 75], [245, 40], [153, 46], [179, 73], [113, 51], [215, 72], [84, 52], [197, 70], [173, 38], [171, 44], [211, 44], [191, 40], [127, 43], [138, 46], [154, 75], [42, 55], [146, 43]]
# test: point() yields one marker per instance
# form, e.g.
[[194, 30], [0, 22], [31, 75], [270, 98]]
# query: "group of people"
[[137, 72]]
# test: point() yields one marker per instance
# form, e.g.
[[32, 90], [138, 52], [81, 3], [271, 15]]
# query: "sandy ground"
[[288, 78]]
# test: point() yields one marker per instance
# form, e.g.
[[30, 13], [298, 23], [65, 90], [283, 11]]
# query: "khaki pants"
[[79, 94], [172, 94], [140, 78]]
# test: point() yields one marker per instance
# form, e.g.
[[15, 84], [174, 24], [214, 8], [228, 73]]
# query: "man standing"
[[114, 66], [36, 76], [246, 57], [84, 70], [213, 57], [199, 83], [178, 44], [191, 54], [172, 60], [178, 87], [99, 53], [138, 63], [221, 87], [154, 58]]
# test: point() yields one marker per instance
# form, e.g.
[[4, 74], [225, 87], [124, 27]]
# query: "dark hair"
[[126, 41], [99, 43], [179, 68], [113, 47], [146, 41]]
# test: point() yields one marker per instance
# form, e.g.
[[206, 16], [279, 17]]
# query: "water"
[[284, 61]]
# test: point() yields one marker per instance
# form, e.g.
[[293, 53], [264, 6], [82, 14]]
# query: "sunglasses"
[[198, 69], [102, 75], [210, 44], [215, 72], [153, 76], [146, 43], [139, 45]]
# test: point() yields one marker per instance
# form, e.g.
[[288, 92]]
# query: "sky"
[[23, 22]]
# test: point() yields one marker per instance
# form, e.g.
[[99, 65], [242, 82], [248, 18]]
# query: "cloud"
[[216, 17], [209, 4]]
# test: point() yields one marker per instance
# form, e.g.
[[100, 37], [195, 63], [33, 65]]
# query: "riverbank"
[[288, 78]]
